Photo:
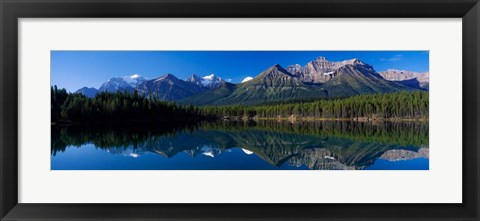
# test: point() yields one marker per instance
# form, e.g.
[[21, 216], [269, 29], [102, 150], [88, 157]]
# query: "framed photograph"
[[227, 110]]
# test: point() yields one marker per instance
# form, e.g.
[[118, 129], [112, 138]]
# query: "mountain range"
[[319, 78]]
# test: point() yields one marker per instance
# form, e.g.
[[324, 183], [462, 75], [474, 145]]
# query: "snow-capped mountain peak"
[[115, 84], [194, 79], [210, 77], [126, 83], [134, 79], [135, 76], [210, 81]]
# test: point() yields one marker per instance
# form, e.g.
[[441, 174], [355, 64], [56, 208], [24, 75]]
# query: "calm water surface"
[[265, 145]]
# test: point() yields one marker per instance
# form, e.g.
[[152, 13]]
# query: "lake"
[[243, 145]]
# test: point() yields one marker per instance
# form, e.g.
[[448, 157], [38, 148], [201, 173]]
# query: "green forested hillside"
[[210, 96], [380, 106], [355, 80]]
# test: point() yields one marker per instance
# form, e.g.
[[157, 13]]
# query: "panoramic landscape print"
[[239, 110]]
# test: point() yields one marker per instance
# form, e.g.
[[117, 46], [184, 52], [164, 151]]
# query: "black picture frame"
[[12, 10]]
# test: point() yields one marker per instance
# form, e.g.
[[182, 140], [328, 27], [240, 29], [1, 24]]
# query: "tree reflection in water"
[[315, 144]]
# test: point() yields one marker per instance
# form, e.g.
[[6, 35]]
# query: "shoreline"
[[300, 119], [291, 119]]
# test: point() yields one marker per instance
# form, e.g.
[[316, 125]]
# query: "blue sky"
[[75, 69]]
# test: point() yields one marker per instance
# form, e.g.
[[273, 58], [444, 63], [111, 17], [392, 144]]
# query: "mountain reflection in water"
[[239, 145]]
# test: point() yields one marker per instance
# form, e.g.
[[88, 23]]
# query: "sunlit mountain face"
[[259, 145]]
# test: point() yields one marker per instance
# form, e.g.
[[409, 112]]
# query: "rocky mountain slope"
[[320, 70], [420, 80], [273, 84], [168, 88], [209, 81], [277, 84]]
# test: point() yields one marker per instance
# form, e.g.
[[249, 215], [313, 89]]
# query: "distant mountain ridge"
[[401, 75], [134, 80], [210, 81], [127, 83], [420, 79], [319, 78], [169, 88], [88, 91]]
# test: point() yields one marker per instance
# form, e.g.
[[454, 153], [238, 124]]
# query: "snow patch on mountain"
[[134, 79], [247, 79], [208, 151], [209, 154], [209, 77], [134, 155], [329, 73]]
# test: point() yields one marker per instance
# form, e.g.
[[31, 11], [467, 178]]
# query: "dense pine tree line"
[[412, 105], [58, 97], [116, 107]]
